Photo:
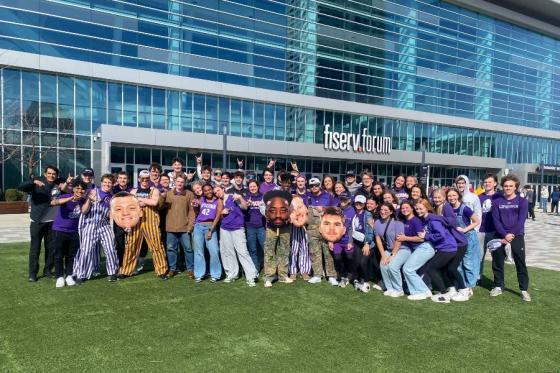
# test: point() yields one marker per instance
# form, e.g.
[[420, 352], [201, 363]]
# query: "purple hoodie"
[[509, 215], [323, 199], [266, 187], [438, 235]]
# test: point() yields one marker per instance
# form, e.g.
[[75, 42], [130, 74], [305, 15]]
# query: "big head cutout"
[[125, 210], [277, 208], [298, 216], [332, 224]]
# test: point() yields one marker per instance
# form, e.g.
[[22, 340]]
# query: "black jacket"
[[41, 209]]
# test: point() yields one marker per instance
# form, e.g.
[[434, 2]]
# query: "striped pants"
[[90, 236], [299, 255], [134, 239]]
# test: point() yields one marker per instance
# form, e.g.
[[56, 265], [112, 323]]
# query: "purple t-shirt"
[[234, 220], [401, 194], [486, 202], [467, 213], [253, 216], [266, 187], [105, 198], [349, 214], [117, 189], [323, 199], [207, 210], [411, 229], [509, 215], [68, 215]]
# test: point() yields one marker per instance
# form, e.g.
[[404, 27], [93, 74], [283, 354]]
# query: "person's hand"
[[348, 246], [198, 158], [208, 235], [194, 203], [401, 237], [91, 195], [225, 211], [39, 183], [294, 166], [371, 222], [190, 175], [510, 237], [319, 208], [240, 163], [366, 249], [141, 203], [385, 259], [236, 197], [422, 234], [271, 163], [69, 179], [331, 246], [461, 229]]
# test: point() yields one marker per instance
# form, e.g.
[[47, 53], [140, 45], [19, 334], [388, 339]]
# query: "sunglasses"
[[217, 174]]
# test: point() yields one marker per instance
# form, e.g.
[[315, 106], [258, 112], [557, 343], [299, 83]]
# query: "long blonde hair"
[[438, 210]]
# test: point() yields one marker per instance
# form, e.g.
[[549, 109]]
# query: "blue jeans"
[[469, 268], [173, 240], [199, 241], [392, 272], [255, 245], [544, 203], [415, 261]]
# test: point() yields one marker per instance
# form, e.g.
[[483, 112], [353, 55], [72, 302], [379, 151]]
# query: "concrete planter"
[[16, 207]]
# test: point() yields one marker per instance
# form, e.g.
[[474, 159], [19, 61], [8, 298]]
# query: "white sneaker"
[[441, 298], [461, 296], [420, 296], [251, 283], [365, 287], [229, 279], [343, 282], [70, 281], [396, 294], [60, 282], [388, 292], [314, 280], [377, 287], [451, 292], [525, 296], [286, 280], [268, 284], [495, 292], [332, 281]]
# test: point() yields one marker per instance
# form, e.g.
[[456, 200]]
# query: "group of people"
[[219, 226]]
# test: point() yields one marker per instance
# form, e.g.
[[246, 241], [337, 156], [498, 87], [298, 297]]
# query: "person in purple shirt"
[[317, 197], [399, 188], [300, 189], [268, 184], [343, 250], [509, 212], [487, 230], [255, 224], [65, 232], [233, 244], [436, 232]]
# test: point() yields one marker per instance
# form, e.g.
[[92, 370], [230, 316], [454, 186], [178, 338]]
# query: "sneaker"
[[365, 287], [495, 292], [112, 278], [286, 280], [293, 277], [140, 265], [214, 279], [332, 281], [198, 280], [79, 281], [190, 274], [70, 281], [314, 280], [388, 292], [171, 273], [396, 294], [471, 292], [60, 282], [163, 277], [525, 296], [251, 283], [229, 279], [451, 292], [95, 274], [305, 277], [420, 296], [343, 282], [32, 278], [440, 298], [461, 296], [377, 287], [49, 274], [268, 284]]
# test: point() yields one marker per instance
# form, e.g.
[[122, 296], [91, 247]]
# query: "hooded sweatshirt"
[[438, 235], [471, 200]]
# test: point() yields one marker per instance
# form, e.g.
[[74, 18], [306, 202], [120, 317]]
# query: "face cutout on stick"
[[332, 226], [125, 210], [277, 208]]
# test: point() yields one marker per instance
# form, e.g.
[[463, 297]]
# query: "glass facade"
[[414, 54], [60, 115]]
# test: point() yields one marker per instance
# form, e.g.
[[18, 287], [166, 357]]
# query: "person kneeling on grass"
[[509, 212], [65, 232], [233, 243]]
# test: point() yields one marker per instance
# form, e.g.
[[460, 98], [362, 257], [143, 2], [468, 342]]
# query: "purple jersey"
[[207, 212], [68, 215], [267, 187], [486, 203], [234, 220], [253, 216], [411, 229], [323, 199], [509, 215]]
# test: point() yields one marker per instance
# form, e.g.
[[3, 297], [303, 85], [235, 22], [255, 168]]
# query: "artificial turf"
[[143, 324]]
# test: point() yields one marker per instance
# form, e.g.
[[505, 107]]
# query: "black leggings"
[[345, 264], [66, 245], [454, 277], [442, 263]]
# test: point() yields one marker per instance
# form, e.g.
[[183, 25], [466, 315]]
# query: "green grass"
[[143, 324]]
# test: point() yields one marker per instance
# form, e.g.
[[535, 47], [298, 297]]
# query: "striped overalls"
[[148, 229], [95, 229]]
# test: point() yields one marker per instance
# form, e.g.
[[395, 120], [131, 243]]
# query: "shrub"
[[11, 195]]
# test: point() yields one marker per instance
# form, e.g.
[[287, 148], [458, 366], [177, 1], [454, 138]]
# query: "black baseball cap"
[[87, 171], [345, 195], [350, 173]]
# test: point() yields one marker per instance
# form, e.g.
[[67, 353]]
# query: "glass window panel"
[[280, 123], [247, 119], [158, 103], [199, 113], [186, 111], [211, 114], [235, 124], [142, 156], [65, 90], [223, 114], [258, 126]]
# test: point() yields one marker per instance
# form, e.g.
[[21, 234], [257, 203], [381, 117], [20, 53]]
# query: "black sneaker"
[[49, 274], [32, 278], [122, 277], [112, 278], [164, 277], [79, 281]]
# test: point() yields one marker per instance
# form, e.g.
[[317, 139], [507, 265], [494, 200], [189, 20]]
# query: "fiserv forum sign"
[[356, 142]]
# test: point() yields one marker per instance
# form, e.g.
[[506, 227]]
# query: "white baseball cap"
[[360, 198]]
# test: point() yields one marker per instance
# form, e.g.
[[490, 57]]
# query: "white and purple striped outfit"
[[95, 228], [299, 255]]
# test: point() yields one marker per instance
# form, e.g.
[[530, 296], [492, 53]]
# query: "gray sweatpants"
[[232, 243]]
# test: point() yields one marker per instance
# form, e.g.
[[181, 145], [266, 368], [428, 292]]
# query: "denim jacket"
[[369, 231]]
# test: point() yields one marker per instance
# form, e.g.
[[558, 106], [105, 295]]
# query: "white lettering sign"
[[356, 142]]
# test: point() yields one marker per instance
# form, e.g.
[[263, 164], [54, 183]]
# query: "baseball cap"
[[344, 195], [144, 173], [87, 171], [350, 173], [494, 244], [360, 198], [314, 181], [251, 176]]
